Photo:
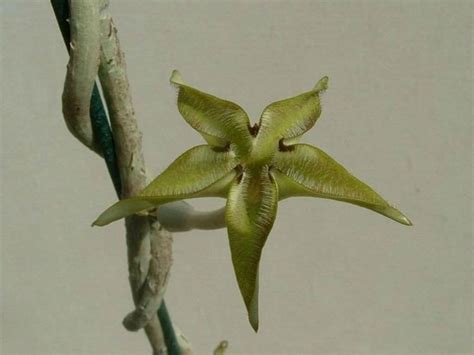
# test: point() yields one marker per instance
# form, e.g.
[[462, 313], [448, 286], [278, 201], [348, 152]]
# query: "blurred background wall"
[[334, 278]]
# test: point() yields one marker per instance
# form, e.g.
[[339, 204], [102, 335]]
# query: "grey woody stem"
[[82, 70], [95, 48], [153, 289], [140, 230]]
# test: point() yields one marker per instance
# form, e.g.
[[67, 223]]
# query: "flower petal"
[[308, 171], [199, 172], [250, 213], [288, 118], [219, 121]]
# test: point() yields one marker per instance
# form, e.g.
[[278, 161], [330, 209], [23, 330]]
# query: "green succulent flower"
[[253, 167]]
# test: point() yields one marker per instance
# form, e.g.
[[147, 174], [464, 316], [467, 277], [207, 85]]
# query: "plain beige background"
[[335, 279]]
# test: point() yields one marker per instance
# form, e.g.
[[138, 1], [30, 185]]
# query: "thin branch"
[[85, 33], [208, 219], [82, 70], [153, 289], [113, 77], [98, 115], [180, 216]]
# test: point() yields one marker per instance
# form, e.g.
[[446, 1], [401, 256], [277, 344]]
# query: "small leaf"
[[289, 118], [250, 213], [308, 171], [199, 172], [220, 122]]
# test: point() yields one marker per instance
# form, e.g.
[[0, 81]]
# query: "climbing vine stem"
[[105, 141]]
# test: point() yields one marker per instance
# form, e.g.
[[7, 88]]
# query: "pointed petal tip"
[[322, 84], [397, 216], [176, 78], [254, 324], [406, 221], [252, 309], [98, 223]]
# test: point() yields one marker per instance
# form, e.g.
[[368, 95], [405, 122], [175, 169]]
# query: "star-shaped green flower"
[[253, 167]]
